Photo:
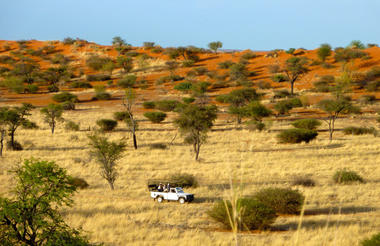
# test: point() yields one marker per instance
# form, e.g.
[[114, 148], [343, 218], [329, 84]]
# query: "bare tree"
[[128, 102]]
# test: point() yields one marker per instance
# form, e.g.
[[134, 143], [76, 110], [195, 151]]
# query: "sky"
[[238, 24]]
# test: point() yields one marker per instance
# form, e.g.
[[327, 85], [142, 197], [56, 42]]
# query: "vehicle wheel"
[[159, 199], [182, 200]]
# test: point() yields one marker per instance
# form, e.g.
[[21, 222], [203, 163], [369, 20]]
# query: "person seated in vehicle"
[[168, 187], [165, 189], [160, 188]]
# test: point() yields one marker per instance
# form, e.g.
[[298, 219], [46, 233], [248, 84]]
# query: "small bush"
[[31, 88], [283, 107], [225, 64], [96, 62], [80, 84], [274, 68], [158, 146], [53, 88], [98, 77], [68, 105], [303, 181], [353, 130], [71, 126], [283, 201], [102, 96], [155, 117], [345, 177], [149, 105], [127, 82], [254, 214], [281, 94], [166, 105], [184, 86], [68, 41], [367, 99], [188, 100], [106, 125], [291, 51], [148, 45], [254, 125], [65, 96], [373, 86], [373, 241], [249, 55], [184, 180], [279, 78], [309, 124], [264, 85], [79, 183], [188, 63], [296, 135], [322, 86]]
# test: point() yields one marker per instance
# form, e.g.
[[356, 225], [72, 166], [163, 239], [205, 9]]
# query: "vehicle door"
[[172, 194]]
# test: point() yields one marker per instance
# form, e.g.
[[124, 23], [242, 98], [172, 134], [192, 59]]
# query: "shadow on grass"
[[337, 210], [314, 224], [329, 146], [205, 199], [48, 148]]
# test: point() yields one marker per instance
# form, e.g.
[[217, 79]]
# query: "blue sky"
[[239, 24]]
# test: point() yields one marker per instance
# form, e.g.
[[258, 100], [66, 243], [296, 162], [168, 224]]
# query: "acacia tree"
[[119, 44], [214, 46], [32, 216], [334, 108], [107, 153], [15, 117], [294, 69], [324, 51], [52, 113], [194, 122], [128, 102], [125, 62], [238, 99], [256, 111]]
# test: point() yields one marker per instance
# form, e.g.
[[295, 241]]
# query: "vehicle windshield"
[[179, 190]]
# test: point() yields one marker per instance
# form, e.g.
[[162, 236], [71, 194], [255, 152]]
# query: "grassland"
[[334, 214]]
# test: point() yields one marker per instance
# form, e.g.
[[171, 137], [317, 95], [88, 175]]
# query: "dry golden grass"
[[334, 214]]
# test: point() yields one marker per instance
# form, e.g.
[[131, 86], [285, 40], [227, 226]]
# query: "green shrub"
[[254, 214], [367, 99], [79, 183], [303, 181], [166, 105], [296, 135], [98, 77], [249, 55], [188, 100], [148, 45], [274, 68], [149, 105], [322, 86], [345, 177], [264, 85], [14, 84], [279, 78], [283, 107], [281, 94], [80, 84], [71, 126], [96, 62], [373, 241], [68, 41], [184, 86], [373, 86], [353, 130], [106, 125], [184, 180], [155, 117], [7, 59], [373, 73], [65, 96], [102, 96], [188, 63], [291, 51], [68, 105], [309, 124], [31, 88], [53, 88], [283, 201], [254, 125], [127, 82], [225, 64]]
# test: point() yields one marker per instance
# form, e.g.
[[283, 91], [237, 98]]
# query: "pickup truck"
[[174, 194]]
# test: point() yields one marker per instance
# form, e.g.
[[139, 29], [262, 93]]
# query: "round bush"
[[303, 181], [155, 117], [184, 86], [53, 88], [166, 105], [283, 201], [373, 241], [127, 82], [79, 183], [31, 88], [120, 116], [71, 126], [254, 214], [102, 96], [309, 124], [68, 105], [184, 180], [106, 124], [65, 96], [80, 84], [296, 136], [188, 100], [346, 177], [149, 105], [353, 130]]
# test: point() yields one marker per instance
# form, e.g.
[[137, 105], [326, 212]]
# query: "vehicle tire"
[[160, 199], [181, 200]]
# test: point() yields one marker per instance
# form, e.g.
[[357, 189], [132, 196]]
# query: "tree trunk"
[[111, 185], [12, 139], [52, 127], [238, 117], [134, 140], [291, 87], [2, 142], [197, 149]]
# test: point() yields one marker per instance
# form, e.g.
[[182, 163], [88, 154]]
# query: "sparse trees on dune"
[[295, 67], [52, 114], [214, 46], [324, 51]]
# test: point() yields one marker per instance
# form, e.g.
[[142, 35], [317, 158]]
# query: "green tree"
[[194, 122], [107, 153], [32, 217], [125, 62], [294, 69], [256, 111], [334, 108], [15, 117], [214, 46], [357, 44], [238, 99], [119, 44], [52, 113], [324, 51], [128, 103]]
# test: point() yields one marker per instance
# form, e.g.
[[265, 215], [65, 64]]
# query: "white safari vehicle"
[[174, 194]]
